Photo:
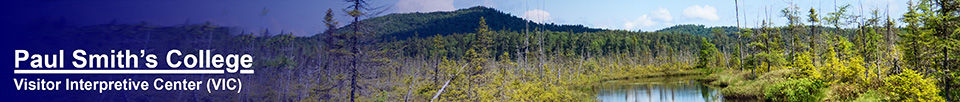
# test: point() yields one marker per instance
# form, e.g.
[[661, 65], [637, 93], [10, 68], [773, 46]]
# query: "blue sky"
[[651, 15], [303, 17]]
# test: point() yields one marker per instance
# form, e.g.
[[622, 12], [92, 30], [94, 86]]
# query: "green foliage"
[[853, 70], [930, 43], [909, 86], [727, 77], [805, 63], [330, 23], [478, 53], [565, 44], [840, 17], [870, 96], [750, 91], [843, 92], [439, 47], [841, 65], [537, 92], [797, 90], [693, 29], [708, 54], [405, 25]]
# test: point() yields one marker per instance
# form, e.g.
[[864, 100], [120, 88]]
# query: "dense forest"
[[407, 25], [480, 54]]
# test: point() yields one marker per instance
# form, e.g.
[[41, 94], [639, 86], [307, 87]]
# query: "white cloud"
[[704, 12], [537, 15], [423, 5], [662, 14], [648, 20], [642, 21]]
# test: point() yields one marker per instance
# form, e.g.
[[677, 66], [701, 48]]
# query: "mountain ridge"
[[417, 24], [463, 21]]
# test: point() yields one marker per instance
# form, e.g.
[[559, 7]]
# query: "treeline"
[[409, 25], [556, 44]]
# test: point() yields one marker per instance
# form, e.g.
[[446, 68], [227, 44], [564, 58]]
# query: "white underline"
[[246, 71], [212, 71]]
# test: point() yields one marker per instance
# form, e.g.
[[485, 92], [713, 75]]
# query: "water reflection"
[[665, 89]]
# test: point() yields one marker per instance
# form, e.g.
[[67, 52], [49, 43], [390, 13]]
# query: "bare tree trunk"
[[541, 53], [454, 76], [739, 42]]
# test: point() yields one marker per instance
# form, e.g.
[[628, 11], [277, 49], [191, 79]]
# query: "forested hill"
[[404, 25], [698, 30]]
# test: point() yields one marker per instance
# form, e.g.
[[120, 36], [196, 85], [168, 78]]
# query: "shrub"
[[909, 86], [538, 91], [777, 74], [746, 91], [724, 78], [870, 96], [843, 92], [799, 90], [805, 63]]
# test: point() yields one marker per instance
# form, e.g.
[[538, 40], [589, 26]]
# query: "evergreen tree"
[[479, 45], [439, 52], [813, 37], [708, 52], [330, 24], [909, 86], [720, 38], [361, 51], [934, 33]]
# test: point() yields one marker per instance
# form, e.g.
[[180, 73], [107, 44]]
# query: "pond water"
[[661, 89]]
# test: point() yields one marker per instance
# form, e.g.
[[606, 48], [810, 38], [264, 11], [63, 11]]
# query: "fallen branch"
[[448, 83]]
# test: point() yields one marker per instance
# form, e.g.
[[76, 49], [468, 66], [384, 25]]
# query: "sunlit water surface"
[[661, 89]]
